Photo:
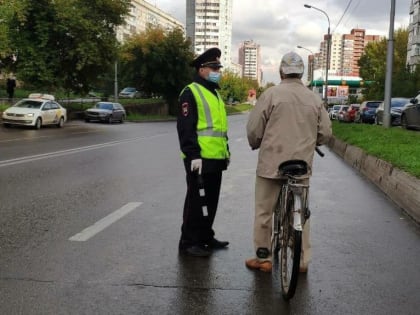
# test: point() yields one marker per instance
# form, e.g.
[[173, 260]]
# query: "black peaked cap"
[[209, 58]]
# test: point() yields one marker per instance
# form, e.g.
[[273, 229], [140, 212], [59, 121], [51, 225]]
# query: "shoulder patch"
[[185, 109]]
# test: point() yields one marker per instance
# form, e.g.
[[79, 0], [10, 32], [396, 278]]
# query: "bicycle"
[[289, 218]]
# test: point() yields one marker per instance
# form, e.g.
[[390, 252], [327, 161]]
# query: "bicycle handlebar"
[[318, 150]]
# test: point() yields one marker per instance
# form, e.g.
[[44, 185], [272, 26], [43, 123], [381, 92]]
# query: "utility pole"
[[389, 66], [116, 82]]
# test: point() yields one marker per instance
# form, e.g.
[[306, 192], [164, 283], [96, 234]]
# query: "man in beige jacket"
[[288, 121]]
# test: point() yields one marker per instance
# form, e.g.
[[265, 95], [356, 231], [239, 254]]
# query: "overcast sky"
[[278, 26]]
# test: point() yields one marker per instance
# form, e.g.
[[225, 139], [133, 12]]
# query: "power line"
[[344, 13]]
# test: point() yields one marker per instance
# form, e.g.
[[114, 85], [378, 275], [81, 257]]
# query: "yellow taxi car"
[[37, 110]]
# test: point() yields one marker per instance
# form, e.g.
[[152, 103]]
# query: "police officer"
[[202, 132]]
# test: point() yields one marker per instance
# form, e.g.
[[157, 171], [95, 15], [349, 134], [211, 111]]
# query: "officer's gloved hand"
[[197, 164]]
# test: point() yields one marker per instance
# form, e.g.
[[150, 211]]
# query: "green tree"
[[234, 88], [373, 68], [66, 43], [157, 61], [9, 9]]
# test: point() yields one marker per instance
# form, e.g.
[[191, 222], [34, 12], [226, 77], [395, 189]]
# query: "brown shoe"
[[254, 263]]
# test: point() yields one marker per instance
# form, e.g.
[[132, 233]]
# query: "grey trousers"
[[266, 194]]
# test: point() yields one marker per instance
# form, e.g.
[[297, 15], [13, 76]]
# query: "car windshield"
[[29, 104], [129, 90], [336, 107], [399, 102], [104, 106], [373, 104]]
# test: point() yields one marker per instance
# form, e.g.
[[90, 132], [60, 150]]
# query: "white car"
[[334, 111], [37, 110]]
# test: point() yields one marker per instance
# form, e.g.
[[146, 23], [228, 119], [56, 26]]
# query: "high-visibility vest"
[[212, 123]]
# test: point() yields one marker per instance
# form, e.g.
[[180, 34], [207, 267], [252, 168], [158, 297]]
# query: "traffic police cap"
[[210, 58]]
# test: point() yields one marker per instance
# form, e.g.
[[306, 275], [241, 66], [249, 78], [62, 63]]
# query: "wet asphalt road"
[[55, 183]]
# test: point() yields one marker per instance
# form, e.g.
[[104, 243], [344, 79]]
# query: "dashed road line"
[[104, 222]]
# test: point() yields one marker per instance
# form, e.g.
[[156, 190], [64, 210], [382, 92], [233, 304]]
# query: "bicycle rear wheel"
[[290, 251]]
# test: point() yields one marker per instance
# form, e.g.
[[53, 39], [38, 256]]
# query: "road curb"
[[402, 188]]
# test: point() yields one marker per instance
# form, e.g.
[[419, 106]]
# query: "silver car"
[[397, 105], [410, 116], [106, 112], [129, 92]]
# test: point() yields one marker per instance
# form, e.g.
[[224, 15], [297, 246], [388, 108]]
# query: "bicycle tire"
[[290, 252]]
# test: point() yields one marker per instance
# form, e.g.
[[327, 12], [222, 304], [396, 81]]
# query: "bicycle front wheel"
[[290, 251]]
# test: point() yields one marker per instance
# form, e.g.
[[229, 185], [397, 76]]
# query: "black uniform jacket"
[[187, 128]]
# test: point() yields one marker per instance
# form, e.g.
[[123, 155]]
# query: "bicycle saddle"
[[294, 168]]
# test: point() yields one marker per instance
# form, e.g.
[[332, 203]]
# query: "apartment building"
[[343, 71], [346, 50], [352, 49], [250, 59], [209, 24], [413, 45], [143, 14]]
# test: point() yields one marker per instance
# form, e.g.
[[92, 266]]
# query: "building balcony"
[[415, 39]]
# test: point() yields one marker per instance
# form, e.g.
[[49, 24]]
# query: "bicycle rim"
[[290, 253]]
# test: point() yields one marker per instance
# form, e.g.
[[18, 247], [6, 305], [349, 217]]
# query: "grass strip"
[[395, 145]]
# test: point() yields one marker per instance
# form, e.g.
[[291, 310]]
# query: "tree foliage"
[[373, 68], [9, 9], [157, 62], [234, 88], [63, 43]]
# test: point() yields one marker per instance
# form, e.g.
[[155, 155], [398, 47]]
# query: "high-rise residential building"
[[413, 45], [143, 14], [250, 60], [353, 47], [346, 50], [209, 24]]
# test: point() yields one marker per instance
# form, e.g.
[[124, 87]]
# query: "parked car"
[[350, 114], [333, 112], [396, 106], [37, 110], [106, 112], [410, 115], [367, 112], [341, 112], [129, 92]]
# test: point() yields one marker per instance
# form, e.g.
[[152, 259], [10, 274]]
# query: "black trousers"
[[196, 227]]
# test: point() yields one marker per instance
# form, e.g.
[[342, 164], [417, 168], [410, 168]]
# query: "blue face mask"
[[214, 77]]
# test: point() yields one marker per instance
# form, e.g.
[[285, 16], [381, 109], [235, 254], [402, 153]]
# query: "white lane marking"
[[104, 222], [30, 158]]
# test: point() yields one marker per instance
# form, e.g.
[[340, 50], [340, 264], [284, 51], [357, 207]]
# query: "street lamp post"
[[328, 51], [312, 63]]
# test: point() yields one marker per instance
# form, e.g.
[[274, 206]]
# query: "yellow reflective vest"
[[212, 123]]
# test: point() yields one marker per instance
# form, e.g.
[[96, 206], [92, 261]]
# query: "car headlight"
[[30, 115]]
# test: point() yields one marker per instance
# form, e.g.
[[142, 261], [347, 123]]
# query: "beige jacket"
[[287, 123]]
